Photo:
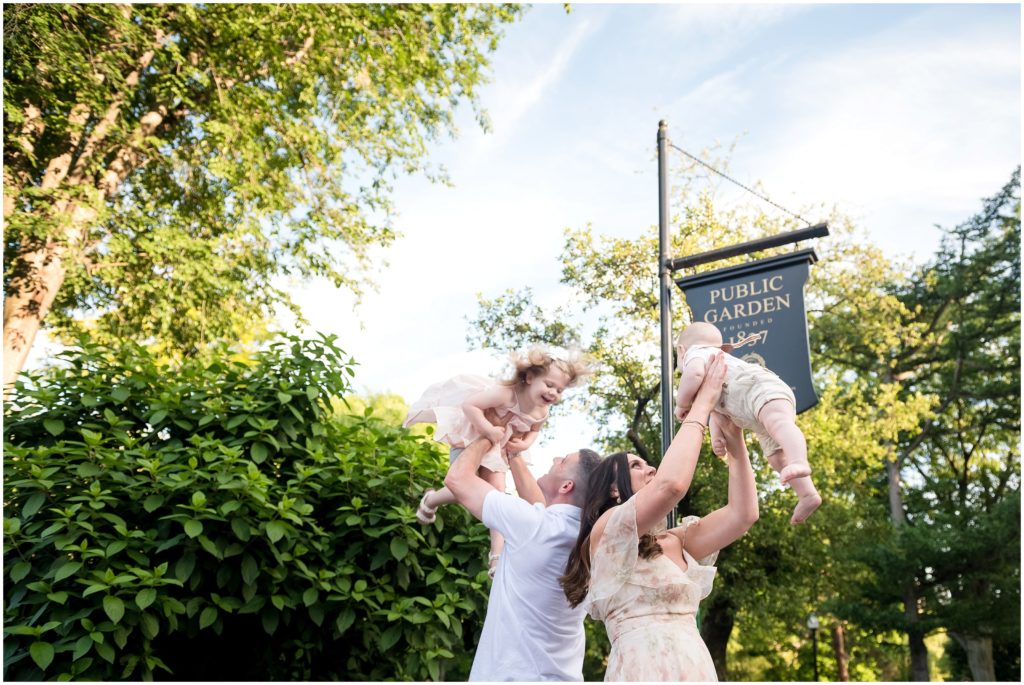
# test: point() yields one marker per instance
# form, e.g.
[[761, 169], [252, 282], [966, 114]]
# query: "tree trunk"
[[839, 648], [40, 268], [918, 651], [37, 274], [979, 656], [716, 624], [25, 307]]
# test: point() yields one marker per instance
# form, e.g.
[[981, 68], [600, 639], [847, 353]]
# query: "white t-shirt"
[[530, 633]]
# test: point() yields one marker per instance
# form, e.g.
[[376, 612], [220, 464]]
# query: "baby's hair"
[[538, 359]]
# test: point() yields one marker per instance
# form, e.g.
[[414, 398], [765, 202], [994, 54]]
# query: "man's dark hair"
[[589, 460]]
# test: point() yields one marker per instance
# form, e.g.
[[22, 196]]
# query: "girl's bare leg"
[[497, 479], [435, 498], [426, 512]]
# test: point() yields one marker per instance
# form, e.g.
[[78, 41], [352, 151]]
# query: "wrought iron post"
[[665, 285]]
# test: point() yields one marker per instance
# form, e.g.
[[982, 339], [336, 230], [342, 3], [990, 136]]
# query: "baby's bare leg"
[[717, 441], [803, 486], [779, 420]]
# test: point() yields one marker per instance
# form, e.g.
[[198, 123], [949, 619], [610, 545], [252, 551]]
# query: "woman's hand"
[[710, 389], [517, 444]]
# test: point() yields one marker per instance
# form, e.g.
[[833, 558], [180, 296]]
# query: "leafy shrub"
[[214, 521]]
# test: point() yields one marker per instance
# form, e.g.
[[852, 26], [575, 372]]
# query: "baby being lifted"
[[755, 399]]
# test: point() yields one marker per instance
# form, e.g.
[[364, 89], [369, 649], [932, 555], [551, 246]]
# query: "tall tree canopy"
[[164, 164], [953, 482]]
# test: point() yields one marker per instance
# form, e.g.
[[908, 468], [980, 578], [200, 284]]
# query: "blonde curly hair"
[[538, 359]]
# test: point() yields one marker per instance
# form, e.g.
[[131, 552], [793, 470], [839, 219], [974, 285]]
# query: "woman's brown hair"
[[613, 470]]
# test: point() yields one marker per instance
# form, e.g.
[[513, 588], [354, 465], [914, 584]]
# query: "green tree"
[[166, 165], [218, 521], [954, 480]]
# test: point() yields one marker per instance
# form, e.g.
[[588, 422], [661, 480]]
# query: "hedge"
[[215, 520]]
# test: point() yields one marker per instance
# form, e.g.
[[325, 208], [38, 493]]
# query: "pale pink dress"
[[649, 606], [441, 404]]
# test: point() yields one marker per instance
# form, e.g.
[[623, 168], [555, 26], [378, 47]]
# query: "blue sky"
[[902, 116]]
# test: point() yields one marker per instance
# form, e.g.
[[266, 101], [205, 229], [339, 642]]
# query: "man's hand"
[[498, 434], [492, 415], [516, 443]]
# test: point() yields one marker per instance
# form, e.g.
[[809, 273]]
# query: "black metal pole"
[[814, 648], [665, 284]]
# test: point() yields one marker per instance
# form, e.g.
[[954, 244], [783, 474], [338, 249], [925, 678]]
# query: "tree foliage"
[[960, 548], [218, 521], [167, 167]]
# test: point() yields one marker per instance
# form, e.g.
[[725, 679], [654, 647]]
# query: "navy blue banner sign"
[[759, 307]]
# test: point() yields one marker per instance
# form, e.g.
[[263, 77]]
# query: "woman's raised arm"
[[655, 500], [728, 524]]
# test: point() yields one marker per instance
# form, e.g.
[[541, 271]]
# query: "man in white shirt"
[[530, 633]]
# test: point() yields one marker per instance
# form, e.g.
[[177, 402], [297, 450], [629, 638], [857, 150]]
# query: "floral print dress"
[[649, 606]]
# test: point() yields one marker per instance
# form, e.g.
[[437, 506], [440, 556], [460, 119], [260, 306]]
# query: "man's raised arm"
[[462, 479], [526, 484]]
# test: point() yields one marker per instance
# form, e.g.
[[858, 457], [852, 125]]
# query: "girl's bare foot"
[[425, 513], [492, 564], [805, 507]]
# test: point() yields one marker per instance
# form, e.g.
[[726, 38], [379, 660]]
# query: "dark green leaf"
[[113, 607], [145, 597], [208, 617], [42, 654], [275, 530], [399, 548], [20, 570], [33, 504], [259, 452], [183, 569], [68, 569], [250, 570], [152, 503]]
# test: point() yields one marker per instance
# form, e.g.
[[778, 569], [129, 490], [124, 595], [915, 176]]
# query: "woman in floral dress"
[[642, 580]]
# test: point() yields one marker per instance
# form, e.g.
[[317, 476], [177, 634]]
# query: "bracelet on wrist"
[[703, 427]]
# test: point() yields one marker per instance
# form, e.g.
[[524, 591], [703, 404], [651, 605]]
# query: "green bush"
[[215, 521]]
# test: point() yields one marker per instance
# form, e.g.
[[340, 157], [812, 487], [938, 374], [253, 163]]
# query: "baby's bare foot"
[[805, 507], [718, 446], [798, 470]]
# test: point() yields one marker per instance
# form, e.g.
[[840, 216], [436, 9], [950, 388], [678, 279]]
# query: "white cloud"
[[909, 132], [517, 91], [717, 22]]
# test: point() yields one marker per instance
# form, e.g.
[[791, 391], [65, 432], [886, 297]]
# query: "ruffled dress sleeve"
[[613, 560], [701, 571]]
